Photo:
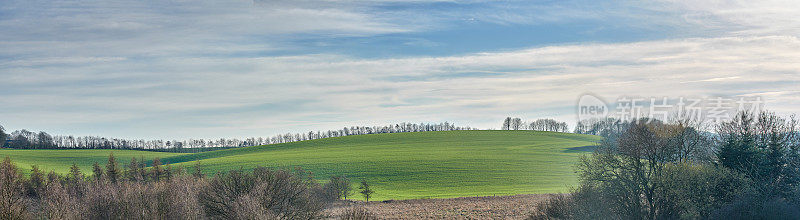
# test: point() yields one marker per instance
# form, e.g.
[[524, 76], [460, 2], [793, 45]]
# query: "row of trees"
[[161, 192], [538, 125], [598, 126], [748, 168], [24, 139]]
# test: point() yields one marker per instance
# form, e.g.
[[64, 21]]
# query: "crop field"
[[399, 166], [60, 160]]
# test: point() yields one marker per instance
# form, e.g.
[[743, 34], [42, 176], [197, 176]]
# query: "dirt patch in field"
[[490, 207]]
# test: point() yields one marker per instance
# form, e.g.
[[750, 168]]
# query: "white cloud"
[[260, 96], [170, 69], [770, 17]]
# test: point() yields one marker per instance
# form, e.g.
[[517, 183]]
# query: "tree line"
[[537, 125], [158, 191], [745, 168], [24, 139]]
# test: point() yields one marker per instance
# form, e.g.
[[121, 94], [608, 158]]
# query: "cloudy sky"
[[240, 68]]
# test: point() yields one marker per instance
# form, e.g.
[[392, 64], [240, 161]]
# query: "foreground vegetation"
[[399, 166], [647, 169], [162, 192]]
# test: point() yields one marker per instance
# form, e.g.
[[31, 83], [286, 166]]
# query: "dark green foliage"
[[35, 184], [74, 173], [695, 191], [3, 136], [97, 172], [112, 169], [654, 170], [133, 171]]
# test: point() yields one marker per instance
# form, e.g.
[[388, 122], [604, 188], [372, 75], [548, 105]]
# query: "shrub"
[[339, 186], [278, 192], [12, 200], [694, 191], [357, 213], [557, 206]]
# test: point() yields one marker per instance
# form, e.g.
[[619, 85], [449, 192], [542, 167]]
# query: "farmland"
[[399, 166], [60, 160]]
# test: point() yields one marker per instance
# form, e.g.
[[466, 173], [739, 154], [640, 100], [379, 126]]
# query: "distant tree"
[[156, 172], [168, 171], [112, 169], [340, 185], [366, 192], [75, 174], [198, 170], [132, 172], [506, 124], [97, 172], [3, 136], [516, 123], [44, 140]]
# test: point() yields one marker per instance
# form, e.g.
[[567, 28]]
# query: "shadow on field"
[[589, 148]]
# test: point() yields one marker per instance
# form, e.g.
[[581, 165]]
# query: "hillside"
[[61, 159], [425, 164], [400, 165]]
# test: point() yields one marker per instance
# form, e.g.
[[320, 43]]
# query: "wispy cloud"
[[174, 69], [357, 90]]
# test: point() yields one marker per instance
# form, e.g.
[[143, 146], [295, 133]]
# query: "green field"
[[60, 160], [400, 166]]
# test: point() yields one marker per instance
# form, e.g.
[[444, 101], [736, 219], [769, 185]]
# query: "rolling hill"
[[401, 165], [60, 160]]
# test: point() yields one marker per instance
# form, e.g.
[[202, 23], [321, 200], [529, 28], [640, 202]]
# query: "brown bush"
[[12, 200], [172, 199], [558, 206], [282, 193], [58, 203], [358, 213], [260, 194]]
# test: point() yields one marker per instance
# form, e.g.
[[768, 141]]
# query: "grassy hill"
[[413, 165], [61, 160]]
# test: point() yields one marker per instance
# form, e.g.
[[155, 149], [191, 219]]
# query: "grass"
[[408, 165], [60, 160]]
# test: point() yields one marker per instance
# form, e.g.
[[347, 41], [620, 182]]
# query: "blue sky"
[[213, 68]]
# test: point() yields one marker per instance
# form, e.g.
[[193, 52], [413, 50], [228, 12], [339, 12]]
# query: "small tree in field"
[[97, 171], [340, 185], [366, 192], [75, 174], [157, 172], [198, 170], [112, 169]]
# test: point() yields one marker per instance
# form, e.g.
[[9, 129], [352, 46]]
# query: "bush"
[[265, 192], [557, 206], [12, 200], [357, 213], [174, 199]]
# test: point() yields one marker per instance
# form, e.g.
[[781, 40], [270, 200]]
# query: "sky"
[[242, 68]]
